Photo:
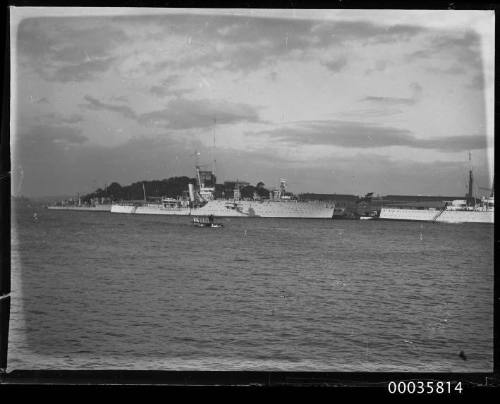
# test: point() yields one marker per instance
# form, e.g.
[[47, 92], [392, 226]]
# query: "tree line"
[[249, 191], [171, 187]]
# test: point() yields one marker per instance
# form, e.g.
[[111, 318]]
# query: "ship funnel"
[[191, 192]]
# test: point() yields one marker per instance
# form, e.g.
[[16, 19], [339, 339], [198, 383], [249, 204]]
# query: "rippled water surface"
[[103, 291]]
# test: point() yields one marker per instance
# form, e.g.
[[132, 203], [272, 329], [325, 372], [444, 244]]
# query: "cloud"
[[380, 66], [390, 100], [416, 96], [96, 105], [463, 48], [367, 135], [241, 43], [68, 49], [77, 49], [453, 143], [74, 118], [120, 98], [341, 133], [182, 113], [455, 69], [82, 71], [335, 65], [170, 86], [259, 41], [51, 134], [364, 31], [185, 114], [160, 91], [56, 119], [477, 82], [377, 111]]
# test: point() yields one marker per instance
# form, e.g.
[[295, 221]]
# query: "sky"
[[334, 101]]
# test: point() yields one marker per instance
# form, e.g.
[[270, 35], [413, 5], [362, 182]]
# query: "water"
[[105, 291]]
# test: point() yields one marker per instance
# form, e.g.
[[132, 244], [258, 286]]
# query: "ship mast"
[[213, 150], [470, 196], [196, 153]]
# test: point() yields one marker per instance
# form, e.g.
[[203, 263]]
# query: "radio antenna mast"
[[196, 158], [213, 149]]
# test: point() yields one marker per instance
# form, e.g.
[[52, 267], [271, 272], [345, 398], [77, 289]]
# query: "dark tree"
[[263, 193], [248, 191]]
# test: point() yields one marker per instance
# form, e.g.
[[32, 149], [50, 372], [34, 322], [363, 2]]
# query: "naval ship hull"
[[220, 208], [150, 210], [446, 216], [97, 208]]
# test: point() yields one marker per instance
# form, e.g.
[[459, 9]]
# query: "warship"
[[468, 210], [200, 200]]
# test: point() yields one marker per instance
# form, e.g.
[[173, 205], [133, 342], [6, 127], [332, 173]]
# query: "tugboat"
[[206, 221]]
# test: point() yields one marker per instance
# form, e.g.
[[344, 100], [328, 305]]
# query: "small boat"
[[369, 215], [206, 221]]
